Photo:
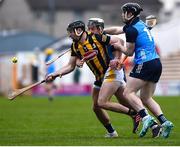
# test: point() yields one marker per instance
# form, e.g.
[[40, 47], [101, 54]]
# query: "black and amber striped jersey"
[[99, 63]]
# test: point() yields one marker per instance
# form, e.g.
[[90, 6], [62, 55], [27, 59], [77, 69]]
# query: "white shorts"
[[115, 75]]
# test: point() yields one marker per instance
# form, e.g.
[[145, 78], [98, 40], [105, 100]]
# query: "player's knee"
[[95, 107], [145, 101], [101, 103], [126, 93]]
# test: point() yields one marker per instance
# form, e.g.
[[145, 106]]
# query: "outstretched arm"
[[114, 30], [64, 70]]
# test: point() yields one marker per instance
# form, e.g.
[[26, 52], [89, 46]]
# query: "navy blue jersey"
[[138, 33]]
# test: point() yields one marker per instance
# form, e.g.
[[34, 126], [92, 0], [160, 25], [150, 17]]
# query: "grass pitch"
[[70, 121]]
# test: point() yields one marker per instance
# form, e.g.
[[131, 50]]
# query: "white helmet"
[[98, 22]]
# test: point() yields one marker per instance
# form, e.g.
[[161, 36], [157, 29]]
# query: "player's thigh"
[[119, 93], [108, 89], [147, 91], [134, 84]]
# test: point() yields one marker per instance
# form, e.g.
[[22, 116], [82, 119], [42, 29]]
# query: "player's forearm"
[[123, 49], [114, 30], [118, 44], [65, 70]]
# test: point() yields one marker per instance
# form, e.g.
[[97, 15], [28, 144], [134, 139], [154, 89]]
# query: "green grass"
[[70, 121]]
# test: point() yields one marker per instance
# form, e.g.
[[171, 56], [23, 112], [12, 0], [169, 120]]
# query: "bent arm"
[[114, 30], [128, 50], [117, 54], [119, 45]]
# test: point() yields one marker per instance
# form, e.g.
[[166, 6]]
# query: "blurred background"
[[28, 28]]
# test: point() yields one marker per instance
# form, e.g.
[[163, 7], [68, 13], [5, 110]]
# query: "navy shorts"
[[148, 71]]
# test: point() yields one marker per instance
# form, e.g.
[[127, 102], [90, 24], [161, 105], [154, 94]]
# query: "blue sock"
[[143, 113], [109, 128], [131, 112], [161, 118]]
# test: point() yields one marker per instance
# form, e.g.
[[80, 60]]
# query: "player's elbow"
[[129, 52]]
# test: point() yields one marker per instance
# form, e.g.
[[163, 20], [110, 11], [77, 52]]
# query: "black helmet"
[[98, 22], [76, 24], [134, 8]]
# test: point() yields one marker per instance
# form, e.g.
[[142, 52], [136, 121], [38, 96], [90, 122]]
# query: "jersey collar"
[[135, 21]]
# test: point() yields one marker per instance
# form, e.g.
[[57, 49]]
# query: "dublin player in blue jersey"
[[147, 70]]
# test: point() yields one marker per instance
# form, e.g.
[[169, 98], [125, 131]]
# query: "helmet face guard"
[[74, 31], [75, 25]]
